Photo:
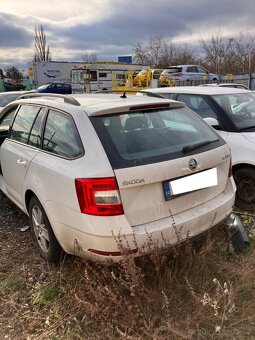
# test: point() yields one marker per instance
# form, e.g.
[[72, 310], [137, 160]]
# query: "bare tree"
[[42, 50], [184, 54], [155, 50], [13, 73], [229, 62], [221, 55], [89, 57], [141, 55], [159, 54], [214, 50], [168, 55], [229, 55], [245, 51]]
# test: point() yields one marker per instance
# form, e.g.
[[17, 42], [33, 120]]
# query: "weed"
[[141, 296], [14, 284], [46, 296], [157, 296], [221, 303]]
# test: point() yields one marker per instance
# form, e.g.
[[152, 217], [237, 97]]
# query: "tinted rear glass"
[[139, 138], [173, 70]]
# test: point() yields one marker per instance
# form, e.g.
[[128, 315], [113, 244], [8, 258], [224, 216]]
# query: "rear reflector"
[[99, 196]]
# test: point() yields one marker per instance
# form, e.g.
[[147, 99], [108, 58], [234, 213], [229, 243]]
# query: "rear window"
[[43, 87], [143, 72], [173, 70], [139, 138]]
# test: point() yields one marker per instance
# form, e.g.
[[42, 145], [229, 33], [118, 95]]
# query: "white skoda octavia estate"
[[88, 169]]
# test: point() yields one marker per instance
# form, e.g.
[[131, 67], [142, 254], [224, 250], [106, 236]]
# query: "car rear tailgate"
[[142, 190]]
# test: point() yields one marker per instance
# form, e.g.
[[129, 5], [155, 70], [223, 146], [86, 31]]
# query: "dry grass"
[[187, 292]]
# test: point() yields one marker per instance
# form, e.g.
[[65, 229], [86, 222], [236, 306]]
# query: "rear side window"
[[192, 69], [6, 122], [23, 123], [156, 74], [61, 136], [139, 138], [201, 70], [35, 134]]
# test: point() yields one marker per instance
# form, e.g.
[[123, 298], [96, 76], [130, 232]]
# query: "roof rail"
[[68, 99]]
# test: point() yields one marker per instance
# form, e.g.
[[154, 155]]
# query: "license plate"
[[201, 180]]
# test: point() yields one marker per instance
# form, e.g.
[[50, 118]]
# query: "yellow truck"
[[147, 77]]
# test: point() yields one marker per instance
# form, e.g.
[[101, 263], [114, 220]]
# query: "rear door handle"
[[22, 163]]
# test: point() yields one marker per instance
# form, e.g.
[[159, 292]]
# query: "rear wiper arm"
[[247, 128], [197, 145]]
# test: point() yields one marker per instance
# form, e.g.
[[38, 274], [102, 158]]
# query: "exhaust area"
[[237, 234]]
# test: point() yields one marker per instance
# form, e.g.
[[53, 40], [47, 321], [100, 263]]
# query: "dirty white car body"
[[123, 178]]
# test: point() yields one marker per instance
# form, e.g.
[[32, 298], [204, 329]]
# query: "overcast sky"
[[112, 28]]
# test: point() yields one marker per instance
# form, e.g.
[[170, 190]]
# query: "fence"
[[247, 79]]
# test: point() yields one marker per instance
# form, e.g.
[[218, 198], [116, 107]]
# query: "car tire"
[[44, 237], [245, 194]]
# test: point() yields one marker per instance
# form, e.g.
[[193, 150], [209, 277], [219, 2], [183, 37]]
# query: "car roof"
[[185, 65], [98, 104], [205, 90], [224, 84], [55, 82]]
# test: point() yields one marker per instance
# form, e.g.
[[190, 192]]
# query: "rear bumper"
[[81, 239]]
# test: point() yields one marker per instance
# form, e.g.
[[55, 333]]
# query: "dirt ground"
[[31, 305], [37, 299]]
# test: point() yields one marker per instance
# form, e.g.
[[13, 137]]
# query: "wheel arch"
[[46, 241], [242, 166], [244, 176], [28, 195]]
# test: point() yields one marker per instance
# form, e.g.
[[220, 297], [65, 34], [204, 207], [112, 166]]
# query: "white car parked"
[[232, 113], [88, 169], [233, 85], [185, 73]]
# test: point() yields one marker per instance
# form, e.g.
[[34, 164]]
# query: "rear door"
[[203, 74], [20, 148], [192, 73]]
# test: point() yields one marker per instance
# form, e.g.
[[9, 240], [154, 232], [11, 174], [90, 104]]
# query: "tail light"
[[178, 75], [99, 196]]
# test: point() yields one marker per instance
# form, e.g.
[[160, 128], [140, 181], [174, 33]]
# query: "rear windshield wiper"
[[197, 145], [248, 128]]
